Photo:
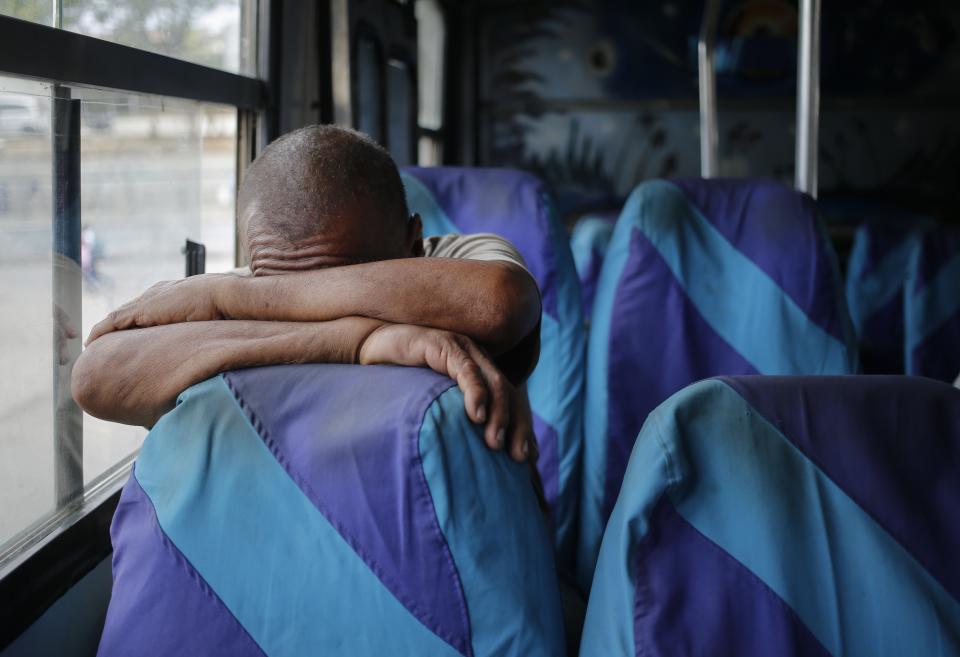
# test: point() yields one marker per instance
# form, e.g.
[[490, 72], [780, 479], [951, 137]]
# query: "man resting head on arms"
[[340, 274]]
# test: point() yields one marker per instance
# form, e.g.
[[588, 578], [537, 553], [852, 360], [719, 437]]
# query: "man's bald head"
[[324, 195]]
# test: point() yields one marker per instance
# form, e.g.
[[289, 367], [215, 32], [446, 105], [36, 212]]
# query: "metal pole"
[[67, 296], [808, 97], [708, 90]]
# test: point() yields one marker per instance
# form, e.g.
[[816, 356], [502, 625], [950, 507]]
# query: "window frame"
[[400, 55], [363, 30], [42, 562]]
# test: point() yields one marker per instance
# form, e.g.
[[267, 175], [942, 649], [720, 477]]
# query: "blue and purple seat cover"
[[328, 509], [589, 241], [516, 206], [788, 516], [931, 306], [903, 290], [883, 248], [701, 278]]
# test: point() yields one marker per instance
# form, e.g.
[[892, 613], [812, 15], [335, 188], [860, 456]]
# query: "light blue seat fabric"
[[701, 278], [589, 241], [788, 516], [515, 205], [328, 510]]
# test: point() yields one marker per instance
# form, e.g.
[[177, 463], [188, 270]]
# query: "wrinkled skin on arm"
[[135, 376], [447, 314], [496, 304]]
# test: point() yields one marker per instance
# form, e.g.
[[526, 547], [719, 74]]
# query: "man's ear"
[[415, 235]]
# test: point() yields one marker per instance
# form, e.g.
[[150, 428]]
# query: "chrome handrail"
[[708, 89], [808, 97]]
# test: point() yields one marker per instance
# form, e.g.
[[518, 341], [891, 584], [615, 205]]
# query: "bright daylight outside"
[[154, 172]]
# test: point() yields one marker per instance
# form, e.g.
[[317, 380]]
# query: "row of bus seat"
[[903, 289], [355, 509]]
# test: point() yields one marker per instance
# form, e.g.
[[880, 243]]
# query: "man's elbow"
[[515, 309], [96, 385], [83, 383]]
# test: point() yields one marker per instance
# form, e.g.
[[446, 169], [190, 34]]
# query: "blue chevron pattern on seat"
[[328, 509], [516, 206], [702, 278], [794, 516]]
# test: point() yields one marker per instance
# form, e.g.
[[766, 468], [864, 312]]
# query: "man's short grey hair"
[[318, 173]]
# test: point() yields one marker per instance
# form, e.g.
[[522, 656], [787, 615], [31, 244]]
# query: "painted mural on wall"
[[597, 96]]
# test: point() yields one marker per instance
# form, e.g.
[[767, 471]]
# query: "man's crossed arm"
[[427, 312]]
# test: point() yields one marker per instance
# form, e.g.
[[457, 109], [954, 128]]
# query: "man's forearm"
[[135, 376], [494, 303]]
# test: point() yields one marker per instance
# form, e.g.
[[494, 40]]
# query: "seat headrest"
[[701, 278], [758, 513], [309, 509]]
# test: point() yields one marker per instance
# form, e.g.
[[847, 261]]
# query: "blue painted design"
[[762, 501], [497, 536], [278, 565]]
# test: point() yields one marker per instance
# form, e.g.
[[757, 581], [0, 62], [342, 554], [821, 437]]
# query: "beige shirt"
[[479, 246]]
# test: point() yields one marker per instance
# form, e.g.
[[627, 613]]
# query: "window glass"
[[368, 86], [153, 172], [35, 11], [400, 118], [205, 32], [431, 42], [26, 301]]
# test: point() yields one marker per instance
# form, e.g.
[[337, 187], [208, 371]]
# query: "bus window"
[[205, 33], [401, 102], [431, 48], [368, 88], [153, 171]]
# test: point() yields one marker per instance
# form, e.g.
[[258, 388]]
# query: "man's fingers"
[[523, 442], [474, 389], [100, 329], [498, 389], [456, 362]]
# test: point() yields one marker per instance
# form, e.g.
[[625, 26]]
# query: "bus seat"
[[876, 271], [790, 516], [328, 509], [516, 206], [702, 278], [932, 306], [589, 241]]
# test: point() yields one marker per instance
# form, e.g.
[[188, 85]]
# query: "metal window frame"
[[40, 564], [47, 53]]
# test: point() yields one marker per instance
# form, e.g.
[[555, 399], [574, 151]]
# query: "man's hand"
[[192, 299], [488, 397]]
